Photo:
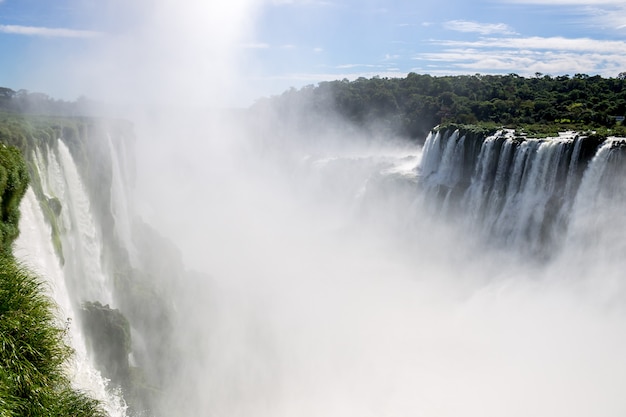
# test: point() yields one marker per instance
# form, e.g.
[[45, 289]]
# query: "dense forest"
[[411, 106], [26, 102]]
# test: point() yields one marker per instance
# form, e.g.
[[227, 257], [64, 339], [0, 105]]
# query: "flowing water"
[[34, 248], [474, 277], [80, 278]]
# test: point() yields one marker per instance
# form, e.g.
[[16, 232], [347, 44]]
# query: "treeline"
[[411, 106], [26, 102]]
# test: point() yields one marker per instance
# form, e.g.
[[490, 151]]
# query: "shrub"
[[33, 351]]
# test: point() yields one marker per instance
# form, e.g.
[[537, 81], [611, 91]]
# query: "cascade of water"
[[572, 179], [81, 241], [441, 168], [532, 201], [120, 203], [497, 197], [451, 161], [432, 154], [602, 190], [475, 196], [521, 190], [35, 249]]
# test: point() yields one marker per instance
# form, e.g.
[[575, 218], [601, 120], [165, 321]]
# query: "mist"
[[331, 293], [325, 287]]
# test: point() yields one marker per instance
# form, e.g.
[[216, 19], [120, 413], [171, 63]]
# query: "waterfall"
[[120, 202], [332, 290], [70, 255], [597, 210], [81, 240], [34, 248], [520, 193]]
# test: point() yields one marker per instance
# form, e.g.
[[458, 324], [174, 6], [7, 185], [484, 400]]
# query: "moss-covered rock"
[[55, 205], [108, 336]]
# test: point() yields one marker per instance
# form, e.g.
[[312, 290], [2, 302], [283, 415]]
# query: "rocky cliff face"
[[517, 191], [82, 178]]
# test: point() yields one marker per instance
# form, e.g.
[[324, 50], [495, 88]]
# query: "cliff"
[[33, 345], [82, 178], [515, 190]]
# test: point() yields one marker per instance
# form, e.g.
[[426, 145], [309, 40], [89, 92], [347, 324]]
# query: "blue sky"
[[250, 48]]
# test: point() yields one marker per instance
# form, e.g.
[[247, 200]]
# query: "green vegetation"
[[13, 183], [37, 136], [27, 133], [135, 291], [33, 351], [411, 106]]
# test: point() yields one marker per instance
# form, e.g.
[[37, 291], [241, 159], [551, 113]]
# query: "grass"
[[34, 351], [33, 347]]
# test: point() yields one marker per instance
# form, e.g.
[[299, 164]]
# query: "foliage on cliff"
[[33, 349], [412, 105], [13, 184], [34, 352]]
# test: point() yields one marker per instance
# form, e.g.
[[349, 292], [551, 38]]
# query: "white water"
[[82, 245], [81, 277], [34, 248], [520, 194], [334, 294], [598, 220], [120, 201]]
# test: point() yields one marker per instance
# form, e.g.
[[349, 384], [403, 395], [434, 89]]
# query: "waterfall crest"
[[515, 191]]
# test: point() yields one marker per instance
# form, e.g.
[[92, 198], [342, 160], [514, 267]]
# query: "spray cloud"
[[363, 305]]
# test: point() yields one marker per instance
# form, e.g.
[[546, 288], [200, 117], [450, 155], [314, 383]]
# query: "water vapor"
[[325, 286], [331, 295]]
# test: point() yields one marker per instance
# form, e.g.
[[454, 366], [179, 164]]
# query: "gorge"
[[478, 274]]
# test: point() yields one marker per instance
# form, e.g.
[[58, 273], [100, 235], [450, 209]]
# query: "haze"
[[323, 294]]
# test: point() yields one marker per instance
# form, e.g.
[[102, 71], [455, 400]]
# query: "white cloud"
[[318, 50], [47, 32], [476, 27], [526, 56], [536, 42], [614, 17], [599, 13]]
